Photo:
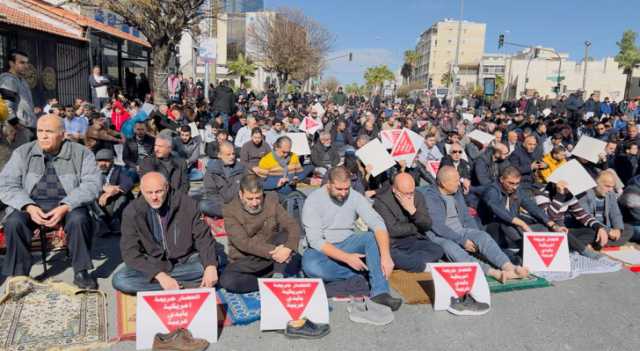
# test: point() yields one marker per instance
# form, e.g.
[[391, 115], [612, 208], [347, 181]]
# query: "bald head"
[[50, 132], [404, 183], [154, 188]]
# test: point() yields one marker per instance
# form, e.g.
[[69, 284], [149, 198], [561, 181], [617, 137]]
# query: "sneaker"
[[369, 312], [388, 300], [467, 306], [306, 329], [178, 340]]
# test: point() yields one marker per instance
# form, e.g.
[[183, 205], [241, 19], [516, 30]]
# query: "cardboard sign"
[[166, 311], [433, 167], [389, 137], [373, 153], [310, 125], [481, 137], [546, 252], [283, 300], [299, 144], [456, 280], [573, 173], [589, 149], [406, 146]]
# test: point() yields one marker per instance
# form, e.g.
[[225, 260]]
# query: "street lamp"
[[587, 44]]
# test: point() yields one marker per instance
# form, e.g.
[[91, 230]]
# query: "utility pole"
[[455, 67], [587, 44]]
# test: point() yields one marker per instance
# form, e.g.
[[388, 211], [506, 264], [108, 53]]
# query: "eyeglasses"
[[456, 151]]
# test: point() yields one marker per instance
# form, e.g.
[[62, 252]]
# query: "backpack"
[[293, 203]]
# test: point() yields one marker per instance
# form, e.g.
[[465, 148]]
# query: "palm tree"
[[410, 62], [446, 79], [376, 76], [628, 58], [241, 67], [499, 84], [406, 71]]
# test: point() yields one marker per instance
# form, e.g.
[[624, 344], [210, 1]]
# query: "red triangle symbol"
[[394, 134], [176, 310], [310, 123], [435, 166], [294, 296], [403, 146], [546, 246], [459, 278]]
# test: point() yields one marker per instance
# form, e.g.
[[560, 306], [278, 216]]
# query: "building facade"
[[436, 50], [242, 6]]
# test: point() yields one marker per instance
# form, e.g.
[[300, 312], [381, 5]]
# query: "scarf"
[[282, 162]]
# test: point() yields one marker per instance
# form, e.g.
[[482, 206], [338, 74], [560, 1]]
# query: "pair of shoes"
[[179, 340], [369, 312], [467, 306], [306, 329], [84, 280], [388, 300]]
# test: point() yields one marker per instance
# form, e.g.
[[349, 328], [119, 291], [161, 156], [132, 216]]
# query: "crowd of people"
[[59, 169]]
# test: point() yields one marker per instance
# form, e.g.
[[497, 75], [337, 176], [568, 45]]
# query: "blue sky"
[[378, 31]]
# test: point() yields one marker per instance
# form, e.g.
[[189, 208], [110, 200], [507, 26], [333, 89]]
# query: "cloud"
[[347, 72]]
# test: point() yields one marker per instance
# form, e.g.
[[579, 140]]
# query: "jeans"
[[315, 264], [131, 281], [487, 247]]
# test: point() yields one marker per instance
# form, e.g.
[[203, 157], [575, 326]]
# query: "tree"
[[410, 61], [242, 68], [162, 23], [376, 76], [446, 79], [406, 72], [290, 44], [330, 84], [628, 57], [354, 88], [499, 84]]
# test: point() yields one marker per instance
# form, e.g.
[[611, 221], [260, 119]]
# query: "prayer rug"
[[241, 309], [531, 282], [50, 316], [415, 288], [583, 265]]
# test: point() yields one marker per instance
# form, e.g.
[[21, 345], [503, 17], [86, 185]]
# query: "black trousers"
[[579, 238], [241, 276], [412, 254], [19, 229]]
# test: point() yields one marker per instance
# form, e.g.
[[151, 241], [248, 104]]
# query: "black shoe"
[[306, 329], [467, 306], [84, 280], [388, 300]]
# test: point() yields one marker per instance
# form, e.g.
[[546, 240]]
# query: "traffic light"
[[500, 41], [350, 56]]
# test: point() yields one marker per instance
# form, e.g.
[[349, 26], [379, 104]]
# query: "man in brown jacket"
[[263, 238], [164, 244]]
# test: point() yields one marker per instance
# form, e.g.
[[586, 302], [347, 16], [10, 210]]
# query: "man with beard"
[[324, 156], [189, 149], [336, 250], [253, 150], [137, 148], [276, 131], [116, 191], [263, 238], [173, 168], [221, 181]]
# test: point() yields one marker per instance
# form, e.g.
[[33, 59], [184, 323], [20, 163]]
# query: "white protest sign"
[[546, 252], [389, 137], [433, 166], [148, 108], [119, 149], [481, 137], [573, 173], [589, 148], [283, 300], [547, 146], [373, 153], [194, 129], [101, 92], [407, 146], [166, 311], [546, 112], [467, 116], [208, 136], [457, 280], [299, 143], [310, 125]]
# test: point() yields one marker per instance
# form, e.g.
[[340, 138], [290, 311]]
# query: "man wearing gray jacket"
[[15, 90], [47, 183]]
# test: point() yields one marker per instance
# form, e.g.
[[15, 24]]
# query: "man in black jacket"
[[165, 244], [137, 148], [116, 191], [172, 167], [527, 159], [454, 159], [324, 156], [486, 169], [221, 181], [406, 217], [223, 100]]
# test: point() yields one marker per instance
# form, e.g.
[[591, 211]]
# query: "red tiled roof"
[[22, 19]]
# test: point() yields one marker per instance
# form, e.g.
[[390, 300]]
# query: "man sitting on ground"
[[336, 251], [137, 148], [324, 156], [263, 238], [116, 191], [189, 148], [458, 233], [282, 168], [48, 182], [172, 167], [253, 150], [221, 181], [165, 244], [407, 219]]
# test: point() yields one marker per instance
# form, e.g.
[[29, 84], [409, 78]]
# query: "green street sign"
[[555, 78]]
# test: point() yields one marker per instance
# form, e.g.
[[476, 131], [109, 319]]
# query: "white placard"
[[573, 173], [407, 146], [148, 108], [389, 137], [101, 92], [310, 125], [194, 129], [546, 252], [283, 300], [546, 112], [165, 311], [375, 154], [481, 137], [626, 255], [119, 149], [467, 116], [208, 136], [456, 280], [589, 149], [299, 144]]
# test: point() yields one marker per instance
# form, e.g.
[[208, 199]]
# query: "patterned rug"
[[241, 309], [583, 265], [52, 315]]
